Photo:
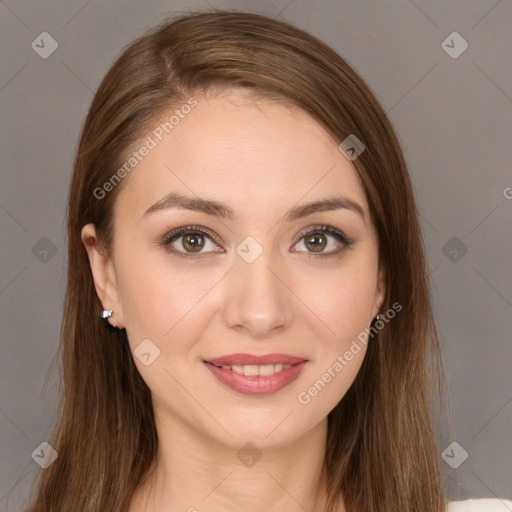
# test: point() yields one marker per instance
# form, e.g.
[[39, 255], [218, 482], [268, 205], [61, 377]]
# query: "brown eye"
[[193, 242], [317, 239], [316, 242]]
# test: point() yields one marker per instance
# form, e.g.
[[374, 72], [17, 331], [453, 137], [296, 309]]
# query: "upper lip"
[[249, 359]]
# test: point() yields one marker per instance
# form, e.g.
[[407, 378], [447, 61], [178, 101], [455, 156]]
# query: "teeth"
[[238, 369], [252, 370], [266, 369]]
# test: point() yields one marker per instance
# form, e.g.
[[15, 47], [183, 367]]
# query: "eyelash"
[[166, 240]]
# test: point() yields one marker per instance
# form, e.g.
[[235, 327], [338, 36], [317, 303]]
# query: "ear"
[[104, 276], [380, 291]]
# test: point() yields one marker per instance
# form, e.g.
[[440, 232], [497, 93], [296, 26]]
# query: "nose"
[[258, 299]]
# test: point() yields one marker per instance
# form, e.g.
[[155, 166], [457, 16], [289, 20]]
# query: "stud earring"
[[106, 314]]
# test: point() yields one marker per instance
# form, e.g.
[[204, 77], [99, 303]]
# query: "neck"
[[195, 474]]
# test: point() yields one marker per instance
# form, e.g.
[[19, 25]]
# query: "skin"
[[261, 158]]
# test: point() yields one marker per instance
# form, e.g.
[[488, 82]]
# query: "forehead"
[[251, 153]]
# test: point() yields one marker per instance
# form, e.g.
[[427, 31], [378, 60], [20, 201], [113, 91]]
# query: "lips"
[[256, 375], [249, 360]]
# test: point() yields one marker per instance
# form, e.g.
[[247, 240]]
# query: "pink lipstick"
[[256, 375]]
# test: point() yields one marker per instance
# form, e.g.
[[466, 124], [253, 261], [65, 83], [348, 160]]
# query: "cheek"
[[162, 301], [342, 298], [343, 306]]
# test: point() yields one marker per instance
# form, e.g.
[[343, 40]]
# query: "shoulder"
[[480, 505]]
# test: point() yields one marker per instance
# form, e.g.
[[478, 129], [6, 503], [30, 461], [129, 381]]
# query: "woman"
[[247, 322]]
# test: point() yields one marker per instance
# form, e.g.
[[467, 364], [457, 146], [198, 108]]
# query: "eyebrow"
[[223, 211]]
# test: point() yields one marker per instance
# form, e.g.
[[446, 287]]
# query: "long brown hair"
[[381, 451]]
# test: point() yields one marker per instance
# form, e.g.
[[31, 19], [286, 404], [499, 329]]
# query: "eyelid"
[[181, 231], [337, 233], [174, 233]]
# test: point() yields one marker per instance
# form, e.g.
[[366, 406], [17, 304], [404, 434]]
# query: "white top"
[[480, 505]]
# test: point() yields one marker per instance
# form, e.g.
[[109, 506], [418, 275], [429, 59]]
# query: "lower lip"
[[256, 385]]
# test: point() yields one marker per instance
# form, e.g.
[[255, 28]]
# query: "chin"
[[264, 432]]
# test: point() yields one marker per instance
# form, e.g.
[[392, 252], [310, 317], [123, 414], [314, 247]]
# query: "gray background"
[[453, 116]]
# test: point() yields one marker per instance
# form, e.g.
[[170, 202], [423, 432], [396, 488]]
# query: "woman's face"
[[253, 283]]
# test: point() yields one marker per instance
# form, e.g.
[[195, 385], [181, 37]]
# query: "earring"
[[378, 316], [106, 314]]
